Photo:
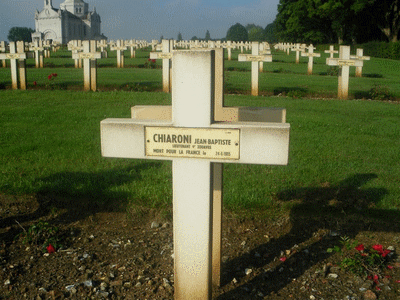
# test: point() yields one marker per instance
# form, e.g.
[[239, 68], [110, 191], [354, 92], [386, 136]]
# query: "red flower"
[[283, 259], [378, 248], [375, 278], [50, 249], [360, 247], [385, 253], [50, 76], [153, 61], [54, 74], [149, 59], [34, 83], [389, 267]]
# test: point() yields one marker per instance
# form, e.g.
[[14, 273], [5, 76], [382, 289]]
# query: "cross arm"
[[260, 143], [12, 55], [344, 62]]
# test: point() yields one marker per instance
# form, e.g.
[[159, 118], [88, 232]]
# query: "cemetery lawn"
[[343, 179]]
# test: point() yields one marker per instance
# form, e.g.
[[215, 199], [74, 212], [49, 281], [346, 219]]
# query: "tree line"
[[327, 21], [340, 21]]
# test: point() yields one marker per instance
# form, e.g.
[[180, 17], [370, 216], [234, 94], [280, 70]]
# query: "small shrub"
[[360, 260], [41, 234], [380, 92]]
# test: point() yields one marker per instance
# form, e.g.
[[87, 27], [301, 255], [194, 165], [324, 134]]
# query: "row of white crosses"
[[300, 48], [260, 54], [198, 134]]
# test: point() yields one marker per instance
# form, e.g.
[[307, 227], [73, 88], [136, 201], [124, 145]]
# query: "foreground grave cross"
[[255, 58], [16, 56], [165, 55], [221, 113], [38, 49], [311, 56], [360, 56], [195, 142], [344, 62], [89, 57]]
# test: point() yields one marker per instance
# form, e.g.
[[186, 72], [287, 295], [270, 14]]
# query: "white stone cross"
[[38, 48], [120, 48], [360, 56], [133, 45], [255, 58], [311, 56], [76, 46], [47, 47], [229, 46], [194, 142], [344, 62], [297, 48], [3, 49], [103, 48], [17, 58], [89, 57], [166, 56], [331, 51]]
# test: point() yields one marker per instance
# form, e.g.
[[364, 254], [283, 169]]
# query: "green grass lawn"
[[50, 143], [345, 151]]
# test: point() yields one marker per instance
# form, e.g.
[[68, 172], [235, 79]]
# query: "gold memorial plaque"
[[192, 142], [255, 58], [87, 56], [165, 55], [346, 62]]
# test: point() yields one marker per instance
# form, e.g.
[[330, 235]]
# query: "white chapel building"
[[73, 21]]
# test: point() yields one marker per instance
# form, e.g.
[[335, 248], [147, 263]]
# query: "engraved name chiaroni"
[[172, 138]]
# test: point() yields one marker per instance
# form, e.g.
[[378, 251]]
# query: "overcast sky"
[[151, 19]]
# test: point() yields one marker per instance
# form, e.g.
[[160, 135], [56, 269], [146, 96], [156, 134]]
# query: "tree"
[[237, 33], [270, 33], [208, 36], [20, 34], [194, 38], [340, 14], [179, 37], [384, 13], [256, 34]]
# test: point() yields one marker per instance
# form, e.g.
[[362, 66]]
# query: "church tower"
[[73, 21], [75, 7]]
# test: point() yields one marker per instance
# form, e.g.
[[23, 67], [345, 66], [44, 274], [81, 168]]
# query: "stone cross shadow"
[[77, 195], [339, 210]]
